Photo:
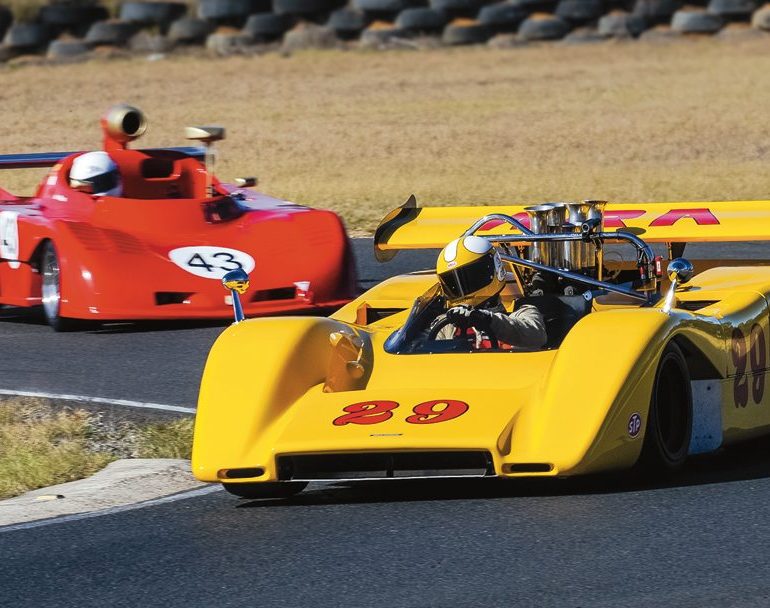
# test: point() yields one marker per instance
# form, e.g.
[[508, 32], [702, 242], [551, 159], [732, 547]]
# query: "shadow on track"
[[740, 463]]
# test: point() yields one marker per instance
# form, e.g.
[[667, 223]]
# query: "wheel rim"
[[50, 290], [672, 410]]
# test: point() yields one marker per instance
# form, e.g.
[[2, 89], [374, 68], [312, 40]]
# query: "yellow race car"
[[646, 361]]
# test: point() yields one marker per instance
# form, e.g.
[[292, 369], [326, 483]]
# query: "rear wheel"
[[669, 422], [51, 290], [268, 489]]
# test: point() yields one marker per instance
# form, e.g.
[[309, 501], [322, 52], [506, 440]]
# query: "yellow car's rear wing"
[[412, 227]]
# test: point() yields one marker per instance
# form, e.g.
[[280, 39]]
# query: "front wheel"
[[669, 422], [51, 290], [268, 489]]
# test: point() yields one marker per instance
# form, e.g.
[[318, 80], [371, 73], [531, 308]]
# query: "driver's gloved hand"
[[462, 316]]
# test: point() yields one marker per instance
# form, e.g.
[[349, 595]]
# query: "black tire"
[[656, 12], [66, 49], [152, 13], [502, 16], [669, 420], [386, 10], [52, 290], [267, 489], [535, 6], [458, 8], [26, 37], [620, 24], [733, 10], [696, 21], [189, 30], [6, 18], [579, 12], [541, 26], [348, 23], [466, 31], [305, 8], [421, 20], [232, 12], [71, 18], [110, 33], [267, 27]]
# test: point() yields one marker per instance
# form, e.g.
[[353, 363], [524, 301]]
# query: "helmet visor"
[[466, 280], [97, 184]]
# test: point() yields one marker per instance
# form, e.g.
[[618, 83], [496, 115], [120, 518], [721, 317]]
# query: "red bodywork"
[[114, 252]]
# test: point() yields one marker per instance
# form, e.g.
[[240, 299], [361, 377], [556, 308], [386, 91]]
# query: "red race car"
[[152, 238]]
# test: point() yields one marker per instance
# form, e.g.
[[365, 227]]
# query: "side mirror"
[[679, 272], [237, 282]]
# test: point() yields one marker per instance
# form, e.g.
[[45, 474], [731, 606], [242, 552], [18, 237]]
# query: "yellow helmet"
[[470, 271]]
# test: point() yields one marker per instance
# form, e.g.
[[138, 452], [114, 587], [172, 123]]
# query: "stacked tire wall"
[[66, 30]]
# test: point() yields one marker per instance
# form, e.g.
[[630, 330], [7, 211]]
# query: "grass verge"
[[42, 446], [358, 131]]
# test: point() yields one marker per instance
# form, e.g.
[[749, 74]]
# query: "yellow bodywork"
[[275, 386]]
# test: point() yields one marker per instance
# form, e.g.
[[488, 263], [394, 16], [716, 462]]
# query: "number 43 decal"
[[428, 412], [210, 262]]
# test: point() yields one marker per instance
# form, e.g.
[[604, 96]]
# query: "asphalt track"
[[697, 540]]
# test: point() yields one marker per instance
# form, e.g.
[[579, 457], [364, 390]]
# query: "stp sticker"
[[634, 425], [210, 262], [9, 238]]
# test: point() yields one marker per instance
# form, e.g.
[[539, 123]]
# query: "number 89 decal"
[[754, 355], [210, 262], [428, 412]]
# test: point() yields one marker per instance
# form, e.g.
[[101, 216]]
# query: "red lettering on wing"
[[614, 218], [702, 217]]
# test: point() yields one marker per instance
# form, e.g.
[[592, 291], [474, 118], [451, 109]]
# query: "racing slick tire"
[[268, 489], [669, 421], [421, 20], [51, 291]]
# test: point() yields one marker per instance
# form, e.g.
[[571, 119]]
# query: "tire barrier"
[[109, 33], [348, 23], [733, 10], [620, 24], [189, 30], [421, 21], [656, 12], [760, 19], [502, 17], [579, 12], [696, 21], [465, 31], [157, 26], [26, 37], [542, 26]]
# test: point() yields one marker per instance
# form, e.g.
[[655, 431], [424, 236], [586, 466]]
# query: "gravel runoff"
[[120, 483]]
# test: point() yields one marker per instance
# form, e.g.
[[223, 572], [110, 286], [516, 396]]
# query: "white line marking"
[[84, 398], [122, 509]]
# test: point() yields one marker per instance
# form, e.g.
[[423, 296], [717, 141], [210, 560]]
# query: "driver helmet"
[[470, 271], [95, 173]]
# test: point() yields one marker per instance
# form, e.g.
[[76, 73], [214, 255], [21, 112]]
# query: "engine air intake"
[[384, 465]]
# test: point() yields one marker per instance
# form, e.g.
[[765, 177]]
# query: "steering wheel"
[[442, 321]]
